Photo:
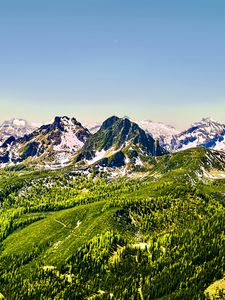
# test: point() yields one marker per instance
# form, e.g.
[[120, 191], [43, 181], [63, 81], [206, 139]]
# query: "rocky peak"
[[109, 122], [207, 122], [53, 143], [119, 138]]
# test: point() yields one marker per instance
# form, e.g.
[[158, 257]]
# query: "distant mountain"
[[162, 132], [16, 128], [93, 127], [52, 145], [207, 133], [119, 142]]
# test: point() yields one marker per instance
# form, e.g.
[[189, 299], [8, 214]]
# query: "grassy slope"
[[59, 232]]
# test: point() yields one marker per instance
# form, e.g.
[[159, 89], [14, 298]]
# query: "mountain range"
[[15, 127], [117, 142], [112, 204], [207, 133]]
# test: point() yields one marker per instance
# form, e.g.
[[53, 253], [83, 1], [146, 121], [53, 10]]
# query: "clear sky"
[[162, 60]]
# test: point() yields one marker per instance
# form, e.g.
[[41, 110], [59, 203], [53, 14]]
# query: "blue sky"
[[162, 60]]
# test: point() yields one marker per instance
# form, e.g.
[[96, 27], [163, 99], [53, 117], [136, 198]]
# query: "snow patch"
[[98, 155], [69, 141], [138, 162]]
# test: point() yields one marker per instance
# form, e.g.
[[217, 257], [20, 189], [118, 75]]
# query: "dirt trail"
[[60, 223]]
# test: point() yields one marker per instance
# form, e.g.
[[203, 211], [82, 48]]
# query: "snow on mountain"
[[19, 123], [59, 142], [118, 142], [15, 127], [157, 130], [207, 133], [93, 127], [162, 132], [69, 137], [52, 145]]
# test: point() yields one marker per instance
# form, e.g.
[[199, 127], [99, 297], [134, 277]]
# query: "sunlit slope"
[[59, 234], [195, 162], [70, 236]]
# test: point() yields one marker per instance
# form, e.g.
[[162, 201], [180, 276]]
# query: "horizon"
[[149, 60], [86, 123]]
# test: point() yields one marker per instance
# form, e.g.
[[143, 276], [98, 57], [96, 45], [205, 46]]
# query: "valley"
[[124, 218], [71, 236]]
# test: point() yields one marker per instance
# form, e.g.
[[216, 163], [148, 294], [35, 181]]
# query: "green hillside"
[[158, 234]]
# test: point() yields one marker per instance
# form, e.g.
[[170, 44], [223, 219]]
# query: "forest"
[[68, 235]]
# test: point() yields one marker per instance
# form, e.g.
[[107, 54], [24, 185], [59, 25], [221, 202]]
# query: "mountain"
[[16, 128], [93, 127], [191, 165], [119, 142], [162, 132], [158, 130], [207, 133], [52, 145]]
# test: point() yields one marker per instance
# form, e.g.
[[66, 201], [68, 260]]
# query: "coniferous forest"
[[158, 234]]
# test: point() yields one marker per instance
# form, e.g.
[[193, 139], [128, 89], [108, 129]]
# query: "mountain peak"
[[15, 127], [109, 122], [205, 121], [19, 122], [208, 119], [64, 121], [126, 117], [118, 142], [15, 122], [206, 133], [53, 144]]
